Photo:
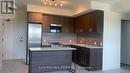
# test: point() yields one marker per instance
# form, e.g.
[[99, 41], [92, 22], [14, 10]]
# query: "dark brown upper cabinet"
[[89, 23], [34, 17], [46, 22], [66, 22]]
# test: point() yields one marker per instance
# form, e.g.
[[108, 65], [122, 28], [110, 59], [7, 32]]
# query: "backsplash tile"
[[59, 37], [90, 39]]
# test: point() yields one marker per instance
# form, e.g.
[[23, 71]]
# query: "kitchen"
[[87, 45], [66, 31]]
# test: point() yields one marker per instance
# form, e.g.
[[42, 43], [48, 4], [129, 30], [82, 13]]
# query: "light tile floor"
[[19, 66]]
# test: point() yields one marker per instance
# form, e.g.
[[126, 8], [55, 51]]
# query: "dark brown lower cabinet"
[[89, 58]]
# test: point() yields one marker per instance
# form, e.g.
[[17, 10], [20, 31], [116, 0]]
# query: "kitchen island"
[[48, 59]]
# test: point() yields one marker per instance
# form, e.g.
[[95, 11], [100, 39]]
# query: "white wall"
[[111, 39], [111, 36], [13, 31], [125, 45]]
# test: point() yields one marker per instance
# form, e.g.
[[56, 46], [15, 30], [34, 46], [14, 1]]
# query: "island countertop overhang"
[[51, 48]]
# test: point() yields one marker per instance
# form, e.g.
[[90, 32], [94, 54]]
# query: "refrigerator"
[[34, 37]]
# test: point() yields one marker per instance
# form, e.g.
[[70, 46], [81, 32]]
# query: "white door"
[[14, 46], [8, 40], [1, 43]]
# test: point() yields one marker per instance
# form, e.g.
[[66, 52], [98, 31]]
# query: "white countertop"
[[84, 45], [50, 48]]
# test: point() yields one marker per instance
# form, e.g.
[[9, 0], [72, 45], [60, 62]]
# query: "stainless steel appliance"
[[55, 28], [34, 37]]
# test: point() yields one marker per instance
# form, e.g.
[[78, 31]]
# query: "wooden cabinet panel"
[[66, 22], [91, 22], [46, 23], [34, 17], [78, 25], [51, 59], [100, 21], [91, 58], [76, 28], [65, 25], [81, 24], [69, 25]]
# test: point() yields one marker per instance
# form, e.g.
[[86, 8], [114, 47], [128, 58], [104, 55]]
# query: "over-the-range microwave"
[[55, 28]]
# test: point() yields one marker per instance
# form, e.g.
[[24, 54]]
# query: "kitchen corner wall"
[[111, 36]]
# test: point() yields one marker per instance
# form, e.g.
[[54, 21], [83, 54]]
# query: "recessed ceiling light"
[[61, 4], [55, 4], [50, 3], [44, 3]]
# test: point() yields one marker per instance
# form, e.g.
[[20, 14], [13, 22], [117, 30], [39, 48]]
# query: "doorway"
[[125, 44]]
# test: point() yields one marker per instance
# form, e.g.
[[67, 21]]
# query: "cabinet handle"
[[77, 30], [90, 29], [81, 30], [67, 30]]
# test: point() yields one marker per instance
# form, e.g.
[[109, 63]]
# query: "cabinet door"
[[65, 25], [87, 57], [92, 22], [74, 56], [34, 17], [70, 25], [99, 59], [100, 21], [46, 23], [85, 23], [80, 24], [78, 55], [83, 56], [76, 26], [93, 59]]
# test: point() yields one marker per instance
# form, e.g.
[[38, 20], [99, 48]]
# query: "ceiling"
[[68, 4], [121, 6]]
